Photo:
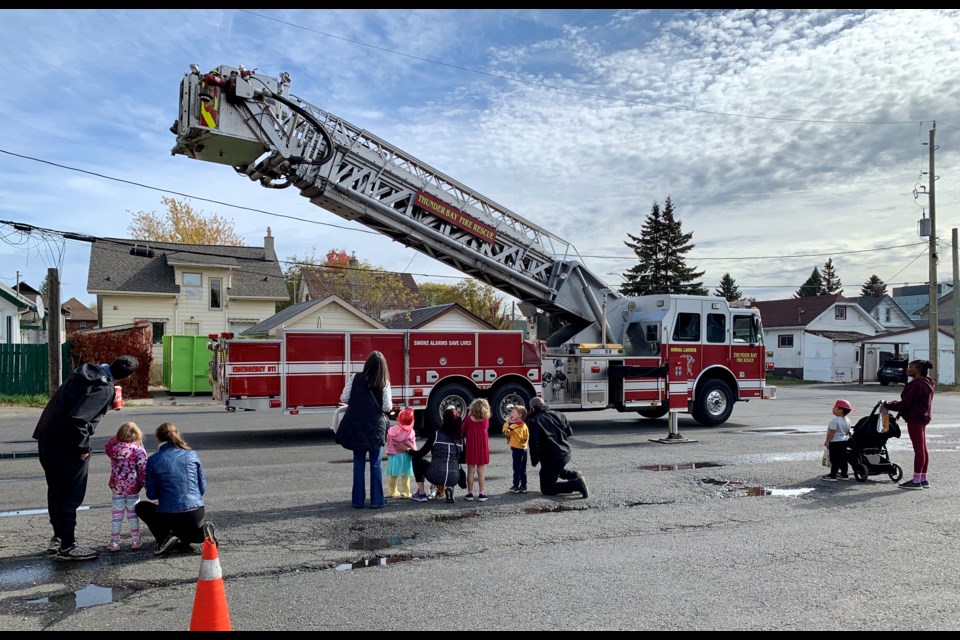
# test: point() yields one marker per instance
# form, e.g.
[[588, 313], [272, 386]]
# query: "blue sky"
[[783, 137]]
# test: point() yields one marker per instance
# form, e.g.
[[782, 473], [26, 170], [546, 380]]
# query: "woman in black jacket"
[[363, 427]]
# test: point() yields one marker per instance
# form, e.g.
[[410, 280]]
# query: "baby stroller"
[[867, 447]]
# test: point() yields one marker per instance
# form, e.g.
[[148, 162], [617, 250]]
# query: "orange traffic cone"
[[210, 602]]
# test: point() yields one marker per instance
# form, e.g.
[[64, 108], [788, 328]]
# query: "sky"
[[784, 138]]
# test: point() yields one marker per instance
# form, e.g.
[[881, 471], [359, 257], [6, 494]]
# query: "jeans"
[[376, 478], [519, 468]]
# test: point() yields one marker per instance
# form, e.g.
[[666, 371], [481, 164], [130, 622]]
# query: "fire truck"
[[592, 347]]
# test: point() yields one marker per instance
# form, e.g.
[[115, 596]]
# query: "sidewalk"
[[161, 396]]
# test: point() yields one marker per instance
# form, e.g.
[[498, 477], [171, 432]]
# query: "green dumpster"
[[186, 364]]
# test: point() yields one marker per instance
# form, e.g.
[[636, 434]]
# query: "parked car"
[[893, 370]]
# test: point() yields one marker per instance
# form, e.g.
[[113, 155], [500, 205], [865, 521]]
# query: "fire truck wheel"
[[713, 404], [654, 412], [444, 395], [506, 395]]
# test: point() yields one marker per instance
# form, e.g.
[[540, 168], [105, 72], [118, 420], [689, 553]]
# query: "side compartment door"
[[391, 345], [746, 350], [315, 369], [252, 368]]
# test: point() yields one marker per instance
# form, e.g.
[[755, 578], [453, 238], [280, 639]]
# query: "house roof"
[[78, 310], [296, 311], [870, 302], [417, 318], [841, 336], [324, 281], [20, 301], [947, 297], [114, 270], [795, 312]]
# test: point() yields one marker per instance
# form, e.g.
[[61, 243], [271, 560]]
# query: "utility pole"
[[956, 307], [933, 315], [53, 330]]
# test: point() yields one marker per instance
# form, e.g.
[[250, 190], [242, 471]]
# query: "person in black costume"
[[549, 447]]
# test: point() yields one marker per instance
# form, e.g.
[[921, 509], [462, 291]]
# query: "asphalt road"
[[732, 530]]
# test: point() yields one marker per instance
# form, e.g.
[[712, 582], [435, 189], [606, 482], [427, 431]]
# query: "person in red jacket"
[[915, 404]]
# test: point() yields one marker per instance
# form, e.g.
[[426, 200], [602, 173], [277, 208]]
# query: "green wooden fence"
[[23, 368]]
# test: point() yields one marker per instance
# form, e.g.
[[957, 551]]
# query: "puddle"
[[737, 489], [373, 562], [449, 517], [373, 544], [26, 576], [680, 466], [89, 596], [555, 508]]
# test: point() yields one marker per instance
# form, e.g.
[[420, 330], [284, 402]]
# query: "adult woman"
[[915, 404], [175, 485], [364, 425]]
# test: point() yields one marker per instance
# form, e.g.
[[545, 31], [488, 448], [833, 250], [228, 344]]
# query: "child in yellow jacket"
[[517, 434]]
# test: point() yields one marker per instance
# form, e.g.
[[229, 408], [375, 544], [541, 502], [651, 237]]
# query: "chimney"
[[353, 260], [268, 251]]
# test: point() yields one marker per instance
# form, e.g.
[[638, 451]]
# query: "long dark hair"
[[450, 425], [375, 371]]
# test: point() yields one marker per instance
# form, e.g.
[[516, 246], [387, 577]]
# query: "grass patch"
[[38, 401]]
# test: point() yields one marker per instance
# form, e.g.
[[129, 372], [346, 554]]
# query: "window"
[[785, 342], [716, 327], [158, 331], [746, 329], [887, 315], [192, 286], [83, 325], [215, 289], [687, 328], [840, 313]]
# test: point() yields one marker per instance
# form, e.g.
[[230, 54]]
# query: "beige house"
[[185, 289], [330, 312]]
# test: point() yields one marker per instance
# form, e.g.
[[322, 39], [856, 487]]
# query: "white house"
[[15, 309], [914, 344], [817, 338], [443, 317]]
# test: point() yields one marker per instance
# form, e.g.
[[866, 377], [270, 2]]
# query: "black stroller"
[[867, 448]]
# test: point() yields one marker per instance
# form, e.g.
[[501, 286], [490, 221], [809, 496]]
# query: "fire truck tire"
[[654, 412], [713, 404], [507, 394], [450, 393]]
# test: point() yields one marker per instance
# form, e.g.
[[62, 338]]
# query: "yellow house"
[[185, 289]]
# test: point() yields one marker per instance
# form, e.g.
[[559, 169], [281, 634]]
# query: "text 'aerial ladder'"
[[251, 122]]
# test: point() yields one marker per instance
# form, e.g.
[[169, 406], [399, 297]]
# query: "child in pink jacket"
[[128, 472], [401, 440]]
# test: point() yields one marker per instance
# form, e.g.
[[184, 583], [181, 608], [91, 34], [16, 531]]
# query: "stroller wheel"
[[896, 472], [860, 472]]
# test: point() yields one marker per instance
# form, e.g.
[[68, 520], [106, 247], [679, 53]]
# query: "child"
[[401, 440], [475, 429], [838, 432], [128, 473], [517, 434]]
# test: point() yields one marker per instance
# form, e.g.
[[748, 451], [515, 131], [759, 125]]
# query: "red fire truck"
[[593, 348]]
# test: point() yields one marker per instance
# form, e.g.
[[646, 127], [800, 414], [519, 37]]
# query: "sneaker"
[[514, 489], [843, 477], [829, 478], [136, 544], [449, 494], [925, 484], [482, 497], [164, 546], [432, 494], [911, 485], [583, 487], [210, 532], [420, 496], [54, 545], [468, 497], [523, 489], [76, 552], [113, 546]]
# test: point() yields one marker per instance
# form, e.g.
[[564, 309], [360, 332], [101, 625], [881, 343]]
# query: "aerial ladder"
[[235, 116]]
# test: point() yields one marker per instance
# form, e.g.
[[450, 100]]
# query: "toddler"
[[401, 440], [477, 445], [517, 434], [128, 472], [838, 433]]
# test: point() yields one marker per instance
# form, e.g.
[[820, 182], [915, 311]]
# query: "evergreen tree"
[[874, 287], [831, 281], [728, 289], [660, 249], [813, 287]]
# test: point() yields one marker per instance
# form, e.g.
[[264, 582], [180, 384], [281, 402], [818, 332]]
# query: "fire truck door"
[[745, 355], [684, 355]]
